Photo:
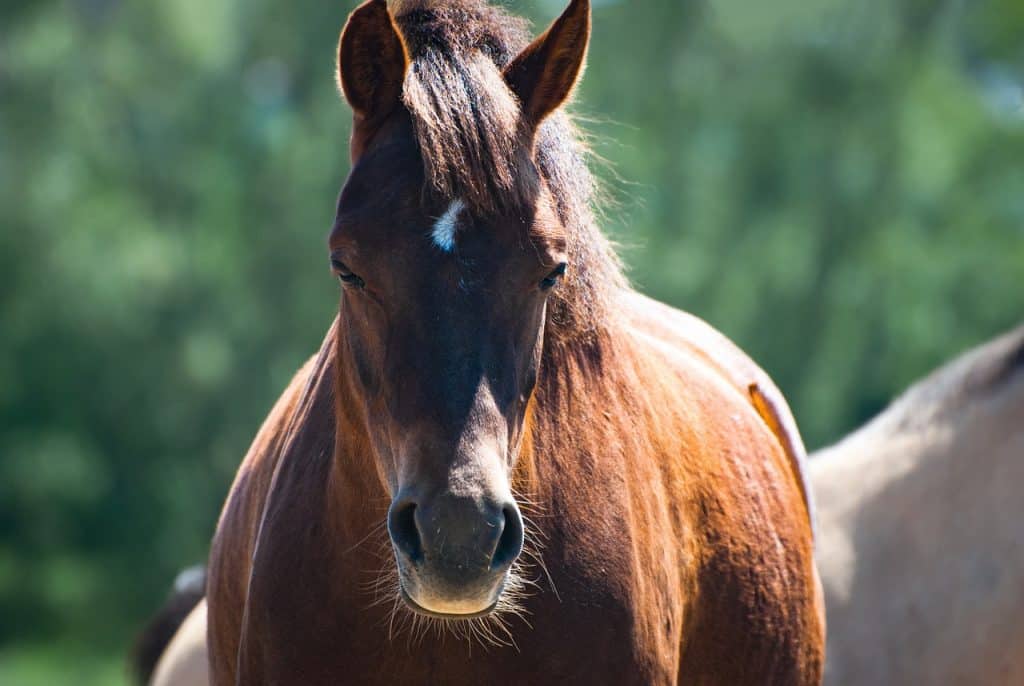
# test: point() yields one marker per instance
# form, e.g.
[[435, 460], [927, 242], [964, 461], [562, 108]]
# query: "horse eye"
[[551, 279], [345, 274]]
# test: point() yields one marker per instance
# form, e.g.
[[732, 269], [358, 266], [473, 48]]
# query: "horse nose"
[[404, 531], [461, 535]]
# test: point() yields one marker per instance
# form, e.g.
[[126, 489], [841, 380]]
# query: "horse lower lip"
[[416, 607]]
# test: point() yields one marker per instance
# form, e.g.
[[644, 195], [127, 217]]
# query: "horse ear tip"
[[579, 6]]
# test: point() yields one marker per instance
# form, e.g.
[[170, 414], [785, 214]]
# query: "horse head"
[[449, 243]]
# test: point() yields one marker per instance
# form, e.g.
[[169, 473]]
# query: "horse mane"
[[466, 122]]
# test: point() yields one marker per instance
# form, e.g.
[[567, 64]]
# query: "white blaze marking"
[[446, 227]]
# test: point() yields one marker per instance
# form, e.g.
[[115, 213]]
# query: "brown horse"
[[921, 548], [601, 488]]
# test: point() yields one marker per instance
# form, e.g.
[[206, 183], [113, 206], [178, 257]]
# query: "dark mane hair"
[[466, 122]]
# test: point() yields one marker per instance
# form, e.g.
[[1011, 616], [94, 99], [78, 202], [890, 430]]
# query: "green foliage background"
[[838, 185]]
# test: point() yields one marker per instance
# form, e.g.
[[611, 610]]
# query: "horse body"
[[920, 548], [488, 361], [674, 554]]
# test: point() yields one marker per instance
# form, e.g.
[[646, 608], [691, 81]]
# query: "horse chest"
[[588, 636]]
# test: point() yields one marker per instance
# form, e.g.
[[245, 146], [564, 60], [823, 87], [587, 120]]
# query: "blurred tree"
[[838, 186]]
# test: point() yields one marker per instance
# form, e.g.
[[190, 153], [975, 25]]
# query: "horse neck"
[[323, 454], [357, 501], [571, 390]]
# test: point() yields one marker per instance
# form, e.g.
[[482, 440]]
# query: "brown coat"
[[490, 375], [680, 553]]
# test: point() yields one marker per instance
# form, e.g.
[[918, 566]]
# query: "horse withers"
[[504, 465]]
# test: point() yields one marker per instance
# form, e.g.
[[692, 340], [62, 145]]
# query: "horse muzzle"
[[454, 552]]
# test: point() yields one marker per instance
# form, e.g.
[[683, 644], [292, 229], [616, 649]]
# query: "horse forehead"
[[446, 227], [386, 196], [386, 174]]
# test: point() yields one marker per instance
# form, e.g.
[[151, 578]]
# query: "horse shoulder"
[[688, 332], [755, 587]]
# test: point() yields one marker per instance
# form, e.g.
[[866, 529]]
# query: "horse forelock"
[[464, 116], [467, 125]]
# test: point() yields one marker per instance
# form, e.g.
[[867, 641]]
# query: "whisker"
[[373, 531], [494, 631]]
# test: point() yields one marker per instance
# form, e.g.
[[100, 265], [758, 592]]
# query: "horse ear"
[[544, 74], [371, 62]]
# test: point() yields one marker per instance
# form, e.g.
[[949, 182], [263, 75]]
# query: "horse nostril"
[[403, 530], [510, 545]]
